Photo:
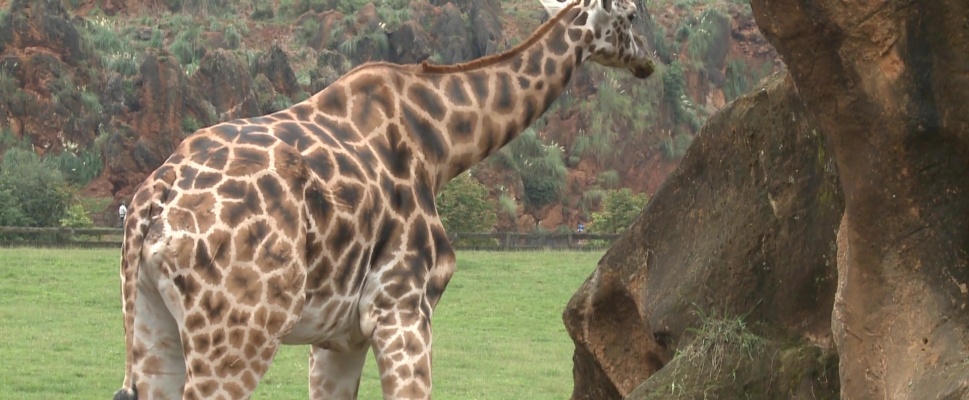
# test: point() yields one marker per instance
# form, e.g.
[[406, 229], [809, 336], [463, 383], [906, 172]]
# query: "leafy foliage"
[[76, 217], [464, 206], [711, 40], [619, 209], [77, 167], [187, 46], [31, 192], [507, 205], [674, 93], [541, 167]]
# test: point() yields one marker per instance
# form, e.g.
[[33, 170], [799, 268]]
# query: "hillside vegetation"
[[103, 90]]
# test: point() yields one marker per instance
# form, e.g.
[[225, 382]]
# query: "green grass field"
[[498, 331]]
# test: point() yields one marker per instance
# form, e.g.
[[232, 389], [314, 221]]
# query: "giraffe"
[[317, 225]]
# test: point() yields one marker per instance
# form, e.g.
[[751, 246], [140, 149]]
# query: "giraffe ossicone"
[[316, 224]]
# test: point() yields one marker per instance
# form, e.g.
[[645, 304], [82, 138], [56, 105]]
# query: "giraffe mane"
[[497, 58]]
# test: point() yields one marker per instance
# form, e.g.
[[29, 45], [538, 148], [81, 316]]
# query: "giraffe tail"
[[126, 394], [135, 230]]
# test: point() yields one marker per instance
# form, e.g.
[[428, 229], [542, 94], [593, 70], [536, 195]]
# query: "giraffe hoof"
[[125, 394]]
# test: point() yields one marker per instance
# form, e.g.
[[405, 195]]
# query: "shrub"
[[507, 205], [711, 41], [77, 169], [464, 206], [76, 217], [34, 193], [608, 179], [540, 166], [619, 209], [187, 45], [232, 37], [125, 64], [263, 10], [190, 124], [91, 102]]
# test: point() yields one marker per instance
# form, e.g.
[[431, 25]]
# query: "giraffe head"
[[609, 35]]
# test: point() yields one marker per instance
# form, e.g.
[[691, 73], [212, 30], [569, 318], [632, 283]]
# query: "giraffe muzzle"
[[643, 71], [643, 67]]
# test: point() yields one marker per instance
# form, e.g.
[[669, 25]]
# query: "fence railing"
[[60, 237], [513, 241], [499, 241]]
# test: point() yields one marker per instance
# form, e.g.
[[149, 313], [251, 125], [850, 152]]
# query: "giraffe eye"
[[632, 17]]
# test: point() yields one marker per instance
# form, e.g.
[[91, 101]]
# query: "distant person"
[[581, 228], [122, 212]]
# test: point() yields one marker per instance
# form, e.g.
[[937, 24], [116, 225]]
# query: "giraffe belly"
[[333, 324]]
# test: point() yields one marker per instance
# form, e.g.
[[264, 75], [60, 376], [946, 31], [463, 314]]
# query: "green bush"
[[608, 179], [307, 30], [76, 217], [187, 46], [125, 64], [540, 166], [262, 10], [508, 206], [91, 102], [190, 124], [709, 44], [32, 193], [233, 38], [619, 209], [77, 168], [464, 206]]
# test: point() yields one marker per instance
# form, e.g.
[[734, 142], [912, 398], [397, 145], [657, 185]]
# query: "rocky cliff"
[[127, 81], [888, 84], [724, 285], [813, 241]]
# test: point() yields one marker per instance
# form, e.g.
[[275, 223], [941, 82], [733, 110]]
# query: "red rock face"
[[887, 82], [744, 228]]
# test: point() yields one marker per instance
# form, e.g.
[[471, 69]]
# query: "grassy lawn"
[[498, 330]]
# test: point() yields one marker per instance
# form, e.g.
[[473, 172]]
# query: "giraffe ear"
[[554, 6]]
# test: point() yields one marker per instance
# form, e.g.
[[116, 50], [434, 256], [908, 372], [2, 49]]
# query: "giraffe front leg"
[[402, 347], [335, 375]]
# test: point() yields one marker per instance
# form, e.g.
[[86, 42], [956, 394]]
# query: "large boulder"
[[739, 244], [41, 24], [486, 33], [888, 84], [274, 64], [165, 108], [42, 95], [410, 44], [452, 37], [226, 84]]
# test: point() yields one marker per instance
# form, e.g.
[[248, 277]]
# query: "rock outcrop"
[[227, 85], [165, 108], [888, 84], [40, 47], [486, 33], [743, 231], [453, 43], [274, 64]]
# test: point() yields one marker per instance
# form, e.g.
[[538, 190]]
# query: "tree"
[[32, 193], [464, 206], [619, 209], [541, 167]]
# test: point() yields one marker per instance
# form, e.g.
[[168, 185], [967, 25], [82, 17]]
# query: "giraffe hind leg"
[[159, 366], [231, 331], [335, 375], [402, 347]]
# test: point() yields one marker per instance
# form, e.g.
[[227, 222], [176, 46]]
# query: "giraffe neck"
[[491, 101], [447, 118]]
